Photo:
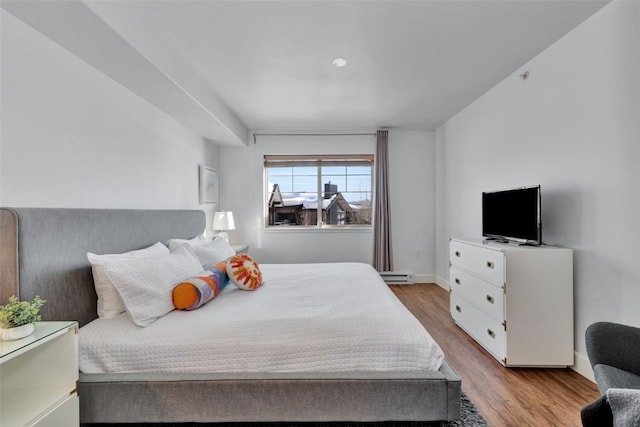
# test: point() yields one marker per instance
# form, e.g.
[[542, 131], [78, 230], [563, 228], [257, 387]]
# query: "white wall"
[[412, 185], [574, 128], [412, 182], [72, 137], [441, 243], [242, 188]]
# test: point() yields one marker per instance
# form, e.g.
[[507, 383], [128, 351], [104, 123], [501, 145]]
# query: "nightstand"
[[39, 377], [240, 248]]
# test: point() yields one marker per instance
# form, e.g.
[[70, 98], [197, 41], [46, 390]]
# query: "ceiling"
[[225, 68]]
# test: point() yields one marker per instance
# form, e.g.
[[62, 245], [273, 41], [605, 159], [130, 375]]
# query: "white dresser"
[[515, 301]]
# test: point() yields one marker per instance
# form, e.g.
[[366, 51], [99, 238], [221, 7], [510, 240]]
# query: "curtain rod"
[[310, 134]]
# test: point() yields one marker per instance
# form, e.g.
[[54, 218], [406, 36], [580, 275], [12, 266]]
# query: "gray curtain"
[[382, 251]]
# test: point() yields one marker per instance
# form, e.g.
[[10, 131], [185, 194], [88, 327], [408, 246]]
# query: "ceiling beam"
[[106, 38]]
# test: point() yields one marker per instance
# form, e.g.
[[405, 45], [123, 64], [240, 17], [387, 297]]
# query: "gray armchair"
[[614, 354]]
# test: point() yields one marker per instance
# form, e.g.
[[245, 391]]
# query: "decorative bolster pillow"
[[195, 292], [222, 266], [219, 270], [244, 272]]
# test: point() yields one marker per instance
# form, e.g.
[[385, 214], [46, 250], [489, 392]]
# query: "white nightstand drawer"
[[486, 331], [67, 413], [485, 296], [39, 377], [484, 261]]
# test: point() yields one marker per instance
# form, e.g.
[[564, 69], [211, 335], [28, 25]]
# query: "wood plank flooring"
[[505, 396]]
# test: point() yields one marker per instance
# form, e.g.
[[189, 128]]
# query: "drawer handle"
[[458, 309], [491, 265], [457, 281], [490, 299], [491, 333], [458, 254]]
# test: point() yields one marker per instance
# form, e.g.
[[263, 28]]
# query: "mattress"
[[335, 317]]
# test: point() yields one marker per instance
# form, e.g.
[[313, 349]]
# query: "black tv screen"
[[512, 215]]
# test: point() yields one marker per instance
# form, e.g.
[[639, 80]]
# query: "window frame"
[[318, 161]]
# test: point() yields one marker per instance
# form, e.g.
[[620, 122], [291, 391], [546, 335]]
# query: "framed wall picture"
[[208, 185]]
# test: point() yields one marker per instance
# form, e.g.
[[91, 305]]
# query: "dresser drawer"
[[485, 296], [486, 331], [482, 261]]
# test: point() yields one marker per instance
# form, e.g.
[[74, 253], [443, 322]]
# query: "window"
[[318, 190]]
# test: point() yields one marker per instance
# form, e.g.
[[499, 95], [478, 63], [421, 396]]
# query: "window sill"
[[315, 229]]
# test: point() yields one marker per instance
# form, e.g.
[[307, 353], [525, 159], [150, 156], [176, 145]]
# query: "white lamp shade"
[[223, 221]]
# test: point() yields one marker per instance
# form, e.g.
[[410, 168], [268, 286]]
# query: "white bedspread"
[[305, 318]]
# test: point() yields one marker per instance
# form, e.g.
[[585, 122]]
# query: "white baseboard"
[[582, 366], [432, 278], [443, 283], [423, 278]]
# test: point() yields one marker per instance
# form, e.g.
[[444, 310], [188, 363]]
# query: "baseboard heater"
[[397, 278]]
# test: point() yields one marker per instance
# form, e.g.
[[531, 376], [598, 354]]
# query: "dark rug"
[[469, 417]]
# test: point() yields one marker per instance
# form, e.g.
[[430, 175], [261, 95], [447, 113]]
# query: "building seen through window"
[[319, 190]]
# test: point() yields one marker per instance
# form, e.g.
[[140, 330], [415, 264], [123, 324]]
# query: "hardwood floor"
[[505, 396]]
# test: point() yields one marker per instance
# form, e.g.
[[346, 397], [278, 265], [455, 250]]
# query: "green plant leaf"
[[18, 313]]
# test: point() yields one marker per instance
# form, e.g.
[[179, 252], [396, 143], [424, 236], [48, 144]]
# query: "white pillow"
[[174, 244], [109, 304], [145, 285], [213, 252]]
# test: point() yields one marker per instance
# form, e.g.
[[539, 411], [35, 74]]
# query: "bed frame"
[[43, 252]]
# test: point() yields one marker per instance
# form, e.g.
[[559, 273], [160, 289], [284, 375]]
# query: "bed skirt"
[[294, 397]]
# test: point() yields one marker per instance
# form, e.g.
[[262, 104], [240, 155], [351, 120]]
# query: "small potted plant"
[[18, 317]]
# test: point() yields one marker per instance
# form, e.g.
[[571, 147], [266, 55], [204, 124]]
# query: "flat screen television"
[[513, 215]]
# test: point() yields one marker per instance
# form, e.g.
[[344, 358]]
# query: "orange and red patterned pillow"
[[244, 272]]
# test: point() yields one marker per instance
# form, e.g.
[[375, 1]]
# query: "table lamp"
[[223, 221]]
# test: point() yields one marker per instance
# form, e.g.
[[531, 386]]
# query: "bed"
[[294, 370]]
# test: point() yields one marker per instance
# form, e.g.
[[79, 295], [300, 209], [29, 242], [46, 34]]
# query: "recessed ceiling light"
[[339, 62]]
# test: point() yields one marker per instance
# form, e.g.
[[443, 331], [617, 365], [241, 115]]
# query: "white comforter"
[[305, 318]]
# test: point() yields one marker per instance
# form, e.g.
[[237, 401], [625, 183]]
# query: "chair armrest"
[[597, 414], [615, 345]]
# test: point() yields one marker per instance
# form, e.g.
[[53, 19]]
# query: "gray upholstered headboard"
[[43, 250]]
